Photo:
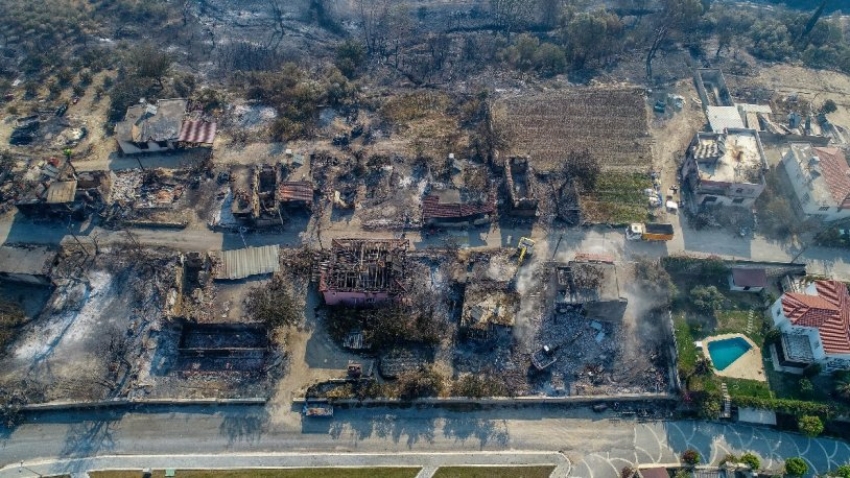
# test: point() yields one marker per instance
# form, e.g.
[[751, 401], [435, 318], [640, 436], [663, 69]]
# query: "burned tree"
[[273, 304], [676, 16]]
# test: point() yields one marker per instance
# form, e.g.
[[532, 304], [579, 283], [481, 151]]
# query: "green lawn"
[[617, 198], [269, 473], [747, 388], [735, 322], [685, 341], [495, 472]]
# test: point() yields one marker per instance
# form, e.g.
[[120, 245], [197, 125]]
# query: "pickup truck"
[[649, 232]]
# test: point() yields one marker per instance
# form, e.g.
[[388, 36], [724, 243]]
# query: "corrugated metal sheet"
[[242, 263], [198, 132]]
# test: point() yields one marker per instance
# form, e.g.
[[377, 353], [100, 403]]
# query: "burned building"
[[243, 185], [260, 194], [517, 178], [589, 282], [221, 348], [61, 191], [363, 271], [487, 308], [451, 208], [27, 264], [150, 128]]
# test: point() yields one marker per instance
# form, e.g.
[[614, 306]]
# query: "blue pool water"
[[724, 352]]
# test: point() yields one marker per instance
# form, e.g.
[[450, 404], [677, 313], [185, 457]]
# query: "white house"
[[815, 325], [151, 128], [725, 168], [820, 178]]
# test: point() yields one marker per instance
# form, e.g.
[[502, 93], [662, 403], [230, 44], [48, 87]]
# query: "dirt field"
[[609, 123]]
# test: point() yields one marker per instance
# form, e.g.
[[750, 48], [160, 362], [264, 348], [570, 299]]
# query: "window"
[[710, 199], [824, 208], [739, 190], [737, 200], [162, 144]]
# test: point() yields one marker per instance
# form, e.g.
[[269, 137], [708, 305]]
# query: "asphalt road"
[[596, 445], [721, 243]]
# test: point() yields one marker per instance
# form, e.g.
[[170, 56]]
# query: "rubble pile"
[[590, 357]]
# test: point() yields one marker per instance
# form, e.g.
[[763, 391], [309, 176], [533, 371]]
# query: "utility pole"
[[71, 231], [133, 238]]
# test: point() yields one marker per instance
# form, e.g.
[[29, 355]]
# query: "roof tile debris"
[[295, 191], [829, 312], [432, 208]]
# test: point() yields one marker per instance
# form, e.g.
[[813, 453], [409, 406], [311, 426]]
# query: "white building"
[[821, 180], [815, 325], [151, 128], [725, 168]]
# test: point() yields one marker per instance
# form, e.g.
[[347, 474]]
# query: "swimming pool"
[[724, 352]]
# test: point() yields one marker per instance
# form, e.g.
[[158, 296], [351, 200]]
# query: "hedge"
[[791, 407]]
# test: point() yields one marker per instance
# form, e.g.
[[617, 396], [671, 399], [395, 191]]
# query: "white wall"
[[803, 194], [782, 323], [153, 147]]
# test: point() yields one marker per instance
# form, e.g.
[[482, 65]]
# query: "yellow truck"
[[649, 232]]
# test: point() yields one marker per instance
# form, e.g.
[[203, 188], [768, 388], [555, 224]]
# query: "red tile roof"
[[835, 169], [197, 132], [829, 312], [431, 208], [295, 191]]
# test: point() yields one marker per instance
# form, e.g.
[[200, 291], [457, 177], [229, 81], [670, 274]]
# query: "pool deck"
[[748, 366]]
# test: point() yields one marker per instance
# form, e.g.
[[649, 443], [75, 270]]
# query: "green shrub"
[[806, 387], [751, 460], [810, 425], [350, 56], [691, 457], [729, 458], [842, 471], [796, 466], [707, 299], [792, 407]]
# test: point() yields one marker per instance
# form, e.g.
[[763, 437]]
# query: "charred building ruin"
[[364, 271], [260, 195], [61, 191], [517, 179], [590, 282]]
